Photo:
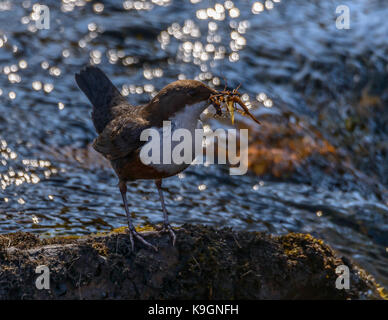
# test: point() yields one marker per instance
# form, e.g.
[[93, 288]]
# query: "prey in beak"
[[230, 100]]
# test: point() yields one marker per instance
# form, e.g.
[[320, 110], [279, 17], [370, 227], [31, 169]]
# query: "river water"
[[320, 157]]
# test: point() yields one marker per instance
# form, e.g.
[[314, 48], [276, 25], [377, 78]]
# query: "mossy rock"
[[206, 263]]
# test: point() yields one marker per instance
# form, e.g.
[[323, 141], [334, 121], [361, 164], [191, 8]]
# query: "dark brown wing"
[[121, 136]]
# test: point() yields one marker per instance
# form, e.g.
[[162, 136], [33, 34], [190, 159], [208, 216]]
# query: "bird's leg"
[[166, 225], [131, 229]]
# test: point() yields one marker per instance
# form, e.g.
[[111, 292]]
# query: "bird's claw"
[[168, 229], [133, 233]]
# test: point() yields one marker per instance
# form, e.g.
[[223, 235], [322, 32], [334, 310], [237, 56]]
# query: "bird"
[[119, 126]]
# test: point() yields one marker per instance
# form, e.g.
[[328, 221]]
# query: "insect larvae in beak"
[[230, 105]]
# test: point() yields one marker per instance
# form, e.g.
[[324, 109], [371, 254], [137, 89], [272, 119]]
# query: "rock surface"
[[206, 263]]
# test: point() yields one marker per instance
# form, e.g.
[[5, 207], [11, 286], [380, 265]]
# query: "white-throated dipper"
[[120, 124]]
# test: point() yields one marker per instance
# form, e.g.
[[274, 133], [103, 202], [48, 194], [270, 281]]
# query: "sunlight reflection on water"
[[51, 183]]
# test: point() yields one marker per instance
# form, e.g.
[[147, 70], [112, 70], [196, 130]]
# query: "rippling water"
[[292, 62]]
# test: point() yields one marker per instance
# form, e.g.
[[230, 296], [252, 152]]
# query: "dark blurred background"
[[318, 164]]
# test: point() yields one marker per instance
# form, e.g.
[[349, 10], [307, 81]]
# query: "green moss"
[[383, 293], [145, 228], [294, 244], [122, 229], [101, 248], [69, 237]]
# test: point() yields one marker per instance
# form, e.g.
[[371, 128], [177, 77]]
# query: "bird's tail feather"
[[101, 92]]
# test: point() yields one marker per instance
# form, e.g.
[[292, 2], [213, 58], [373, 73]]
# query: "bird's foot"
[[134, 234], [168, 229]]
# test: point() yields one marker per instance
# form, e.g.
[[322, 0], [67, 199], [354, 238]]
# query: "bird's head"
[[184, 92], [181, 95]]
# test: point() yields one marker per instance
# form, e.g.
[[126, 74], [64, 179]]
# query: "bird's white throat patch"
[[188, 119], [173, 147]]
